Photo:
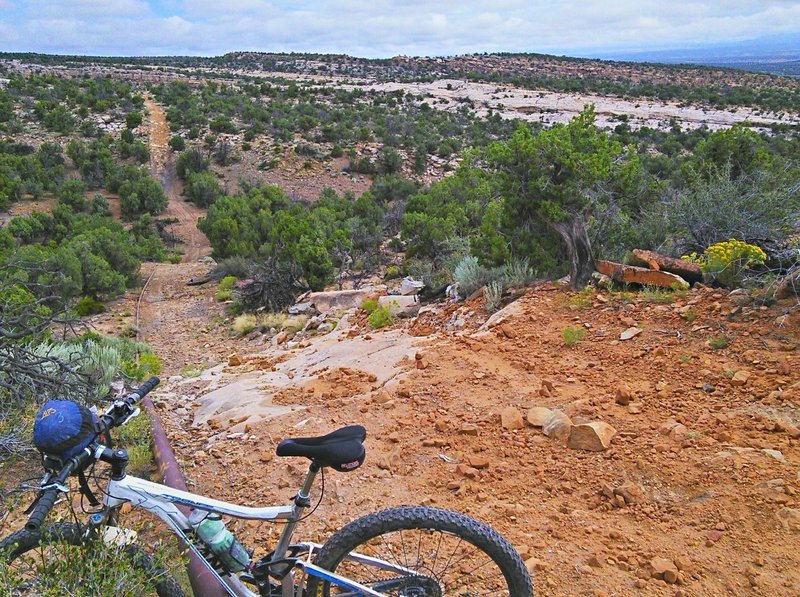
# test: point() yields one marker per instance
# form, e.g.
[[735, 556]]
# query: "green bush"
[[146, 366], [87, 305], [571, 336], [176, 143], [89, 569], [492, 294], [518, 273], [471, 276], [227, 283], [223, 295], [380, 317], [369, 306]]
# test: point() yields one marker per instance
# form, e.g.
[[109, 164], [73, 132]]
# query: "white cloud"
[[383, 27]]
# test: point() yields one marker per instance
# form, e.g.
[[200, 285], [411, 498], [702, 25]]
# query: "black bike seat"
[[342, 449]]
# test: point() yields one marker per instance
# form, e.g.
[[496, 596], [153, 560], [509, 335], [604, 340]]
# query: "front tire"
[[42, 562], [436, 553]]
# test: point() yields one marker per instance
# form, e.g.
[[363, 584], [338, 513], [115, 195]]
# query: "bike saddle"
[[342, 450]]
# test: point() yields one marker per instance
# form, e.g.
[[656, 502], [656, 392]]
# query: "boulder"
[[538, 416], [342, 299], [301, 309], [558, 426], [511, 418], [595, 436], [398, 303]]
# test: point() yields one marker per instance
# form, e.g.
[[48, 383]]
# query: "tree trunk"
[[579, 248]]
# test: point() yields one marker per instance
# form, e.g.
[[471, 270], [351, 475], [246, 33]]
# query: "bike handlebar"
[[116, 415], [46, 502], [122, 409]]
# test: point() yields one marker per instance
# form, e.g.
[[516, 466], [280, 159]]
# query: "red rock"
[[595, 436], [660, 567], [478, 462], [538, 416], [467, 471], [511, 418], [508, 331], [234, 360], [631, 493], [740, 378], [468, 429], [623, 395], [558, 426]]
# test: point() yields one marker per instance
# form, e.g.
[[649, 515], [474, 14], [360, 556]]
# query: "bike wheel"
[[433, 553], [56, 560]]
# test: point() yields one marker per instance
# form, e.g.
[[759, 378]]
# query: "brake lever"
[[134, 413], [60, 486]]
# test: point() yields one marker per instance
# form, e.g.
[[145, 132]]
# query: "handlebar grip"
[[147, 387], [43, 507]]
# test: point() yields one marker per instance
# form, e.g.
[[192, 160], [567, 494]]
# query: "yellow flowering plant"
[[726, 262]]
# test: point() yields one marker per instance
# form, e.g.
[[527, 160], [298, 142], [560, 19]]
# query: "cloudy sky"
[[383, 28]]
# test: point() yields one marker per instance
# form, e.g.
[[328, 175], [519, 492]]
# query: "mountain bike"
[[408, 551]]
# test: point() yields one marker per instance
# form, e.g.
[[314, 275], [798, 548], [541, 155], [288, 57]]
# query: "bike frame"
[[164, 502]]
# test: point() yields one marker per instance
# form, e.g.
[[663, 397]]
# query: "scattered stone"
[[467, 471], [662, 569], [382, 397], [623, 395], [234, 360], [631, 332], [511, 418], [478, 462], [595, 436], [740, 378], [468, 429], [538, 416], [508, 331], [301, 308], [558, 426], [776, 454], [265, 456], [631, 493], [712, 537], [789, 518]]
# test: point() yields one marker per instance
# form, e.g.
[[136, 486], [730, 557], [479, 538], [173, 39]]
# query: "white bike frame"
[[164, 502]]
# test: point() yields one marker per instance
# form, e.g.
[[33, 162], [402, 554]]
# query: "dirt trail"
[[173, 317], [162, 167]]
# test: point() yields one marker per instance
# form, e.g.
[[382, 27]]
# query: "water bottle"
[[211, 530]]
